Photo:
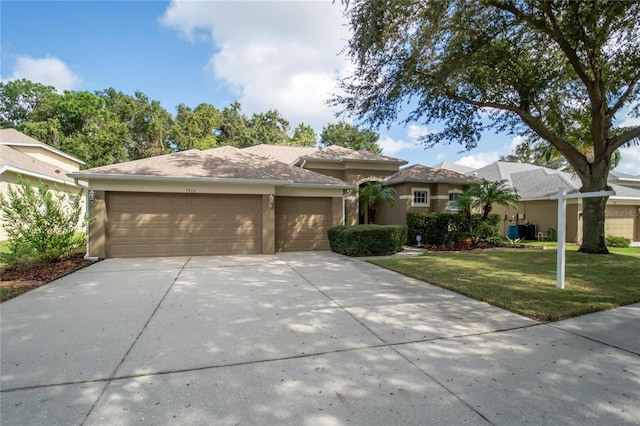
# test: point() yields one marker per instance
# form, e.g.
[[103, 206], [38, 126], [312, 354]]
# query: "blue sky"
[[266, 55]]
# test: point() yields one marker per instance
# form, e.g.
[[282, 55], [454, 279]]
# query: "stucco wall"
[[46, 156]]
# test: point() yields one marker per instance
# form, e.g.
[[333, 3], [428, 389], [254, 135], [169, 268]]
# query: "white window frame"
[[427, 202]]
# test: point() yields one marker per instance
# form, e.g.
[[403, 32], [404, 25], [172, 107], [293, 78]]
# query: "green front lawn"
[[524, 280]]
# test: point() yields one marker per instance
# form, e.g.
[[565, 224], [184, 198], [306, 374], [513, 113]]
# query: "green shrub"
[[435, 228], [40, 224], [614, 241], [493, 219], [367, 240], [485, 231]]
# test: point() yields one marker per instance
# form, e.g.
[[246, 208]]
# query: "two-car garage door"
[[157, 224], [146, 224]]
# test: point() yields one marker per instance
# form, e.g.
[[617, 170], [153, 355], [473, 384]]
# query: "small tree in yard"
[[41, 224], [373, 193], [488, 193]]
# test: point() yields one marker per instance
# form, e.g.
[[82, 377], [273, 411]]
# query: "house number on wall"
[[191, 190]]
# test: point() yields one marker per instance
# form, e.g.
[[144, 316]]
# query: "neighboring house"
[[35, 161], [537, 184], [262, 199], [624, 179]]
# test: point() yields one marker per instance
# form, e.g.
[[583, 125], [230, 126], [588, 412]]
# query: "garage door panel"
[[182, 224], [302, 223]]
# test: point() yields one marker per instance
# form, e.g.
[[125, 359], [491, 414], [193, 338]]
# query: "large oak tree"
[[556, 71]]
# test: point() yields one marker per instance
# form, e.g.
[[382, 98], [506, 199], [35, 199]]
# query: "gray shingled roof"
[[14, 137], [542, 183], [454, 167], [420, 173], [282, 153], [23, 163], [620, 175], [625, 192], [535, 182], [226, 163], [335, 153]]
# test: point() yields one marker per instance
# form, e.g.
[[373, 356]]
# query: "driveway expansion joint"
[[575, 333], [144, 327]]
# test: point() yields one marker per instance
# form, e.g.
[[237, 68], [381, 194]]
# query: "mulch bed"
[[38, 273], [478, 247]]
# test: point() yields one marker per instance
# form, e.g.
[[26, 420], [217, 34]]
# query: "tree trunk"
[[593, 238], [593, 213]]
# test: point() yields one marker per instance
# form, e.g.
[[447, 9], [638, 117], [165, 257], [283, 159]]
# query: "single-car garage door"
[[302, 223], [152, 224]]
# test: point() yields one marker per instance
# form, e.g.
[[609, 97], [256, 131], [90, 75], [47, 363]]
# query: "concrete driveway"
[[304, 339]]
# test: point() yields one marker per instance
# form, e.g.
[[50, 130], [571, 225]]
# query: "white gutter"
[[624, 198], [149, 178], [321, 185], [101, 176], [33, 174]]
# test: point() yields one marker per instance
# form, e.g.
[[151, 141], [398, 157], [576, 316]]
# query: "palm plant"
[[464, 203], [373, 193], [488, 193]]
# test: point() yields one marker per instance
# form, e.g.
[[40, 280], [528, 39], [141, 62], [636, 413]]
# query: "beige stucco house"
[[262, 199], [537, 184], [35, 161]]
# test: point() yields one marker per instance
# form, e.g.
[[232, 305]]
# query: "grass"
[[4, 247], [7, 293], [524, 281]]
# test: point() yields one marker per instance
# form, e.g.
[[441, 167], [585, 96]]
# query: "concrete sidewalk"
[[300, 338]]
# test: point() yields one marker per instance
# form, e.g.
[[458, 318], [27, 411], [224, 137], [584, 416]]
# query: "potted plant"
[[465, 239]]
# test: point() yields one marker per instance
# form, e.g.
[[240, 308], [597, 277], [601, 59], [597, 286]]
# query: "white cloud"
[[415, 132], [515, 142], [49, 71], [478, 160], [629, 160], [630, 121], [392, 146], [272, 55]]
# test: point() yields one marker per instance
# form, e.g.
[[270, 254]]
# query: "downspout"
[[86, 203], [344, 208]]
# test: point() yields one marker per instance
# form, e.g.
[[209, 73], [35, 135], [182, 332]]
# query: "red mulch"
[[38, 273]]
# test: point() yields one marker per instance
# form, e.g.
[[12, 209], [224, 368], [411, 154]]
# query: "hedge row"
[[442, 228], [367, 240]]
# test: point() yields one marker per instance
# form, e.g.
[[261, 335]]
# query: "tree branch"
[[622, 139], [574, 156], [622, 99]]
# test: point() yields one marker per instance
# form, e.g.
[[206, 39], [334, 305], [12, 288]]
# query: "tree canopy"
[[558, 72], [108, 126], [350, 136]]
